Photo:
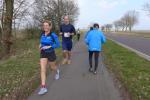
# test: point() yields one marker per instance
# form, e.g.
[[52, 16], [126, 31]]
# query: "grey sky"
[[107, 11]]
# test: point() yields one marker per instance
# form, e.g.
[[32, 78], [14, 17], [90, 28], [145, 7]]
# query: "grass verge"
[[19, 75], [131, 70]]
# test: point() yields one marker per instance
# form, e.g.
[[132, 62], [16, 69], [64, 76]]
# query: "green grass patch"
[[20, 68], [132, 70], [19, 75]]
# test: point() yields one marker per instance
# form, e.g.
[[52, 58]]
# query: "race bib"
[[66, 34]]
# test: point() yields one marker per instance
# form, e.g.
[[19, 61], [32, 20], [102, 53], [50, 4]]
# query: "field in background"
[[145, 34]]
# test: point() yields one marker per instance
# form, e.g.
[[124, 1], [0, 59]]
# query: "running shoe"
[[90, 70], [94, 72], [57, 75], [42, 91], [69, 62]]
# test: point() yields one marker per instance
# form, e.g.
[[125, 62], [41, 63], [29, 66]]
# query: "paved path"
[[77, 83], [139, 43]]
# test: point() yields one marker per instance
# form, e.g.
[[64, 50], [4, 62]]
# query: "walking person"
[[67, 31], [94, 39], [48, 43], [78, 34]]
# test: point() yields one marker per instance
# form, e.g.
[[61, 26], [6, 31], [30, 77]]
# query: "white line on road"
[[143, 55]]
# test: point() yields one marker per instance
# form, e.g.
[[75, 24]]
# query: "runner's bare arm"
[[39, 46]]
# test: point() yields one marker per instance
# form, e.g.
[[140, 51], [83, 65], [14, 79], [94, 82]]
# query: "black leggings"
[[78, 37], [96, 56]]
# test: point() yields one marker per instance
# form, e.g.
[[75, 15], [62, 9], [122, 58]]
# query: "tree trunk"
[[14, 28], [8, 16], [1, 23], [122, 28], [130, 28], [59, 15], [3, 12], [0, 35], [126, 28]]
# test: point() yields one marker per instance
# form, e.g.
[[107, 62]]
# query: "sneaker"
[[64, 61], [42, 91], [57, 76], [69, 62], [95, 72], [90, 70]]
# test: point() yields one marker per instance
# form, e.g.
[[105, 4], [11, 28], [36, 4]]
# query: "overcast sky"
[[107, 11]]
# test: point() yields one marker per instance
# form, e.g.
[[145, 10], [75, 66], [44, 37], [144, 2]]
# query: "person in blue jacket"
[[94, 39], [48, 43], [91, 28]]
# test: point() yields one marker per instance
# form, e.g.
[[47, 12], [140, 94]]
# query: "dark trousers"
[[96, 57], [78, 37]]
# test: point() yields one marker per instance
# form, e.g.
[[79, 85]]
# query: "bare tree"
[[2, 10], [147, 8], [127, 21], [71, 9], [117, 25], [132, 17], [0, 31], [108, 27], [21, 11], [103, 28], [123, 23], [54, 10], [7, 26]]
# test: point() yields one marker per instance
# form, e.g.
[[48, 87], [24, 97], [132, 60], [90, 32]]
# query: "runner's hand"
[[61, 33], [46, 47], [40, 47]]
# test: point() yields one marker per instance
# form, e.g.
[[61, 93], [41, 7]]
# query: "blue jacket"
[[49, 40], [94, 39], [87, 34]]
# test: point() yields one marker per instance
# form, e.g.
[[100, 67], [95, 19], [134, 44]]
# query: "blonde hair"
[[47, 21]]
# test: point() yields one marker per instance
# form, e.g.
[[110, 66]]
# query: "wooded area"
[[23, 18]]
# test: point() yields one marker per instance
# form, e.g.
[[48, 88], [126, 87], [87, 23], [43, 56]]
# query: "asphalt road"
[[139, 43], [77, 83]]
